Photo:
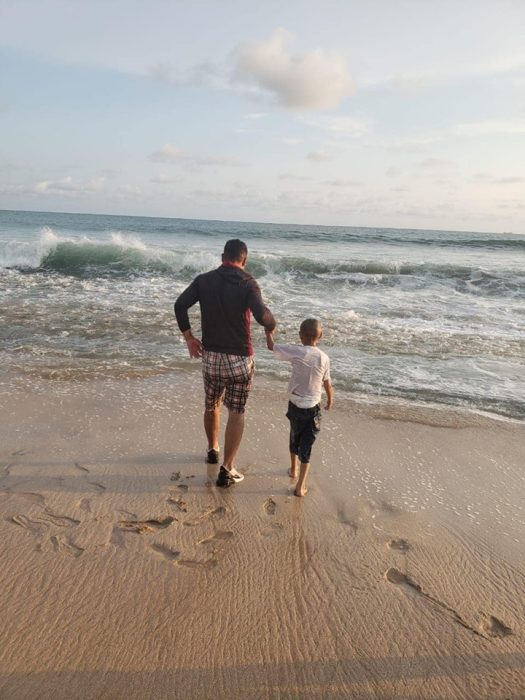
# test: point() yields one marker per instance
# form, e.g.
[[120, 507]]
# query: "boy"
[[310, 373]]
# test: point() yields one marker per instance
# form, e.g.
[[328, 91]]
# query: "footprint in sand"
[[34, 526], [404, 582], [272, 529], [396, 577], [221, 535], [85, 505], [81, 468], [128, 514], [27, 496], [61, 544], [214, 514], [269, 506], [175, 476], [493, 627], [400, 545], [59, 520], [183, 487], [143, 527], [99, 487], [178, 503], [166, 552], [193, 564], [344, 519]]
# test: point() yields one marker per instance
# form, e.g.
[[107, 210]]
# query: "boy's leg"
[[294, 447], [294, 463], [309, 431], [300, 489]]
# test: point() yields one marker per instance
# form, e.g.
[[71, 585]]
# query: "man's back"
[[226, 296]]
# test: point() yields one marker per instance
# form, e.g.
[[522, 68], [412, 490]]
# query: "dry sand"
[[126, 574]]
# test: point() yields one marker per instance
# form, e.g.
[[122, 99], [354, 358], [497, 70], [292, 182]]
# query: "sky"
[[406, 114]]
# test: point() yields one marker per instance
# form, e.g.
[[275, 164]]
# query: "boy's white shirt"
[[310, 368]]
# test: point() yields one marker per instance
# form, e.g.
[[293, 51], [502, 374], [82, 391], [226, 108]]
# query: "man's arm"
[[188, 298], [329, 393], [260, 312], [269, 339]]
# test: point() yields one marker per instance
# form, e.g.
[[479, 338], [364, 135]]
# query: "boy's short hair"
[[235, 250], [310, 329]]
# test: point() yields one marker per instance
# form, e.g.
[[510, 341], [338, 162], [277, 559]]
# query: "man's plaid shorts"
[[229, 376]]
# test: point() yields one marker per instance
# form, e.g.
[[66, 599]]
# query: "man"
[[226, 296]]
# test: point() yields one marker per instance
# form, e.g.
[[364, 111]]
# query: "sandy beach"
[[127, 574]]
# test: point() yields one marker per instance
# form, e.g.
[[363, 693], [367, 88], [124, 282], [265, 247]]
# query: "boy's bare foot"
[[300, 492], [292, 473]]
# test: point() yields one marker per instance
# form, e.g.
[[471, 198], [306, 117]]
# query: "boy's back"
[[310, 368]]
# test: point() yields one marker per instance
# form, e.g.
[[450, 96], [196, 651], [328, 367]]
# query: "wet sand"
[[127, 574]]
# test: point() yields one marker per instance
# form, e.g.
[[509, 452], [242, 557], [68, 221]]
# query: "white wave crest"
[[128, 241]]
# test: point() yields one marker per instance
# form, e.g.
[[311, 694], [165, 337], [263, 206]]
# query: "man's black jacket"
[[226, 296]]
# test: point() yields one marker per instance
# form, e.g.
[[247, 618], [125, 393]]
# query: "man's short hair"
[[235, 250], [310, 329]]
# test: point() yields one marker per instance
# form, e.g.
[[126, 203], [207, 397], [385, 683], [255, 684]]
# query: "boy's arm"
[[269, 339], [329, 393]]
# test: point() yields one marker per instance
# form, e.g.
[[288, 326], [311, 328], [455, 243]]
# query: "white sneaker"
[[235, 475]]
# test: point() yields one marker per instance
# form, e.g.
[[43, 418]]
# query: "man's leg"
[[212, 423], [232, 437]]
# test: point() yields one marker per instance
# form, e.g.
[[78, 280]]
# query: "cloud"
[[341, 182], [170, 154], [436, 164], [491, 127], [506, 180], [163, 180], [313, 80], [255, 115], [354, 127], [318, 156], [293, 176], [12, 189], [201, 74], [68, 187]]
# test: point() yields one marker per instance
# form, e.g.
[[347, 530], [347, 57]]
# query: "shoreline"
[[128, 574], [374, 406]]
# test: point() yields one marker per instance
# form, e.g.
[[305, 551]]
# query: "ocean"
[[409, 316]]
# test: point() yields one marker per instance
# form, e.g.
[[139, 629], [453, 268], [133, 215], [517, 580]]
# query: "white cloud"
[[201, 74], [170, 154], [504, 180], [68, 187], [342, 182], [293, 176], [313, 80], [340, 126], [490, 127], [318, 156], [163, 179], [436, 164]]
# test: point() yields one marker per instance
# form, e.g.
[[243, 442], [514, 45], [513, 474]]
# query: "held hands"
[[194, 345], [269, 339]]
